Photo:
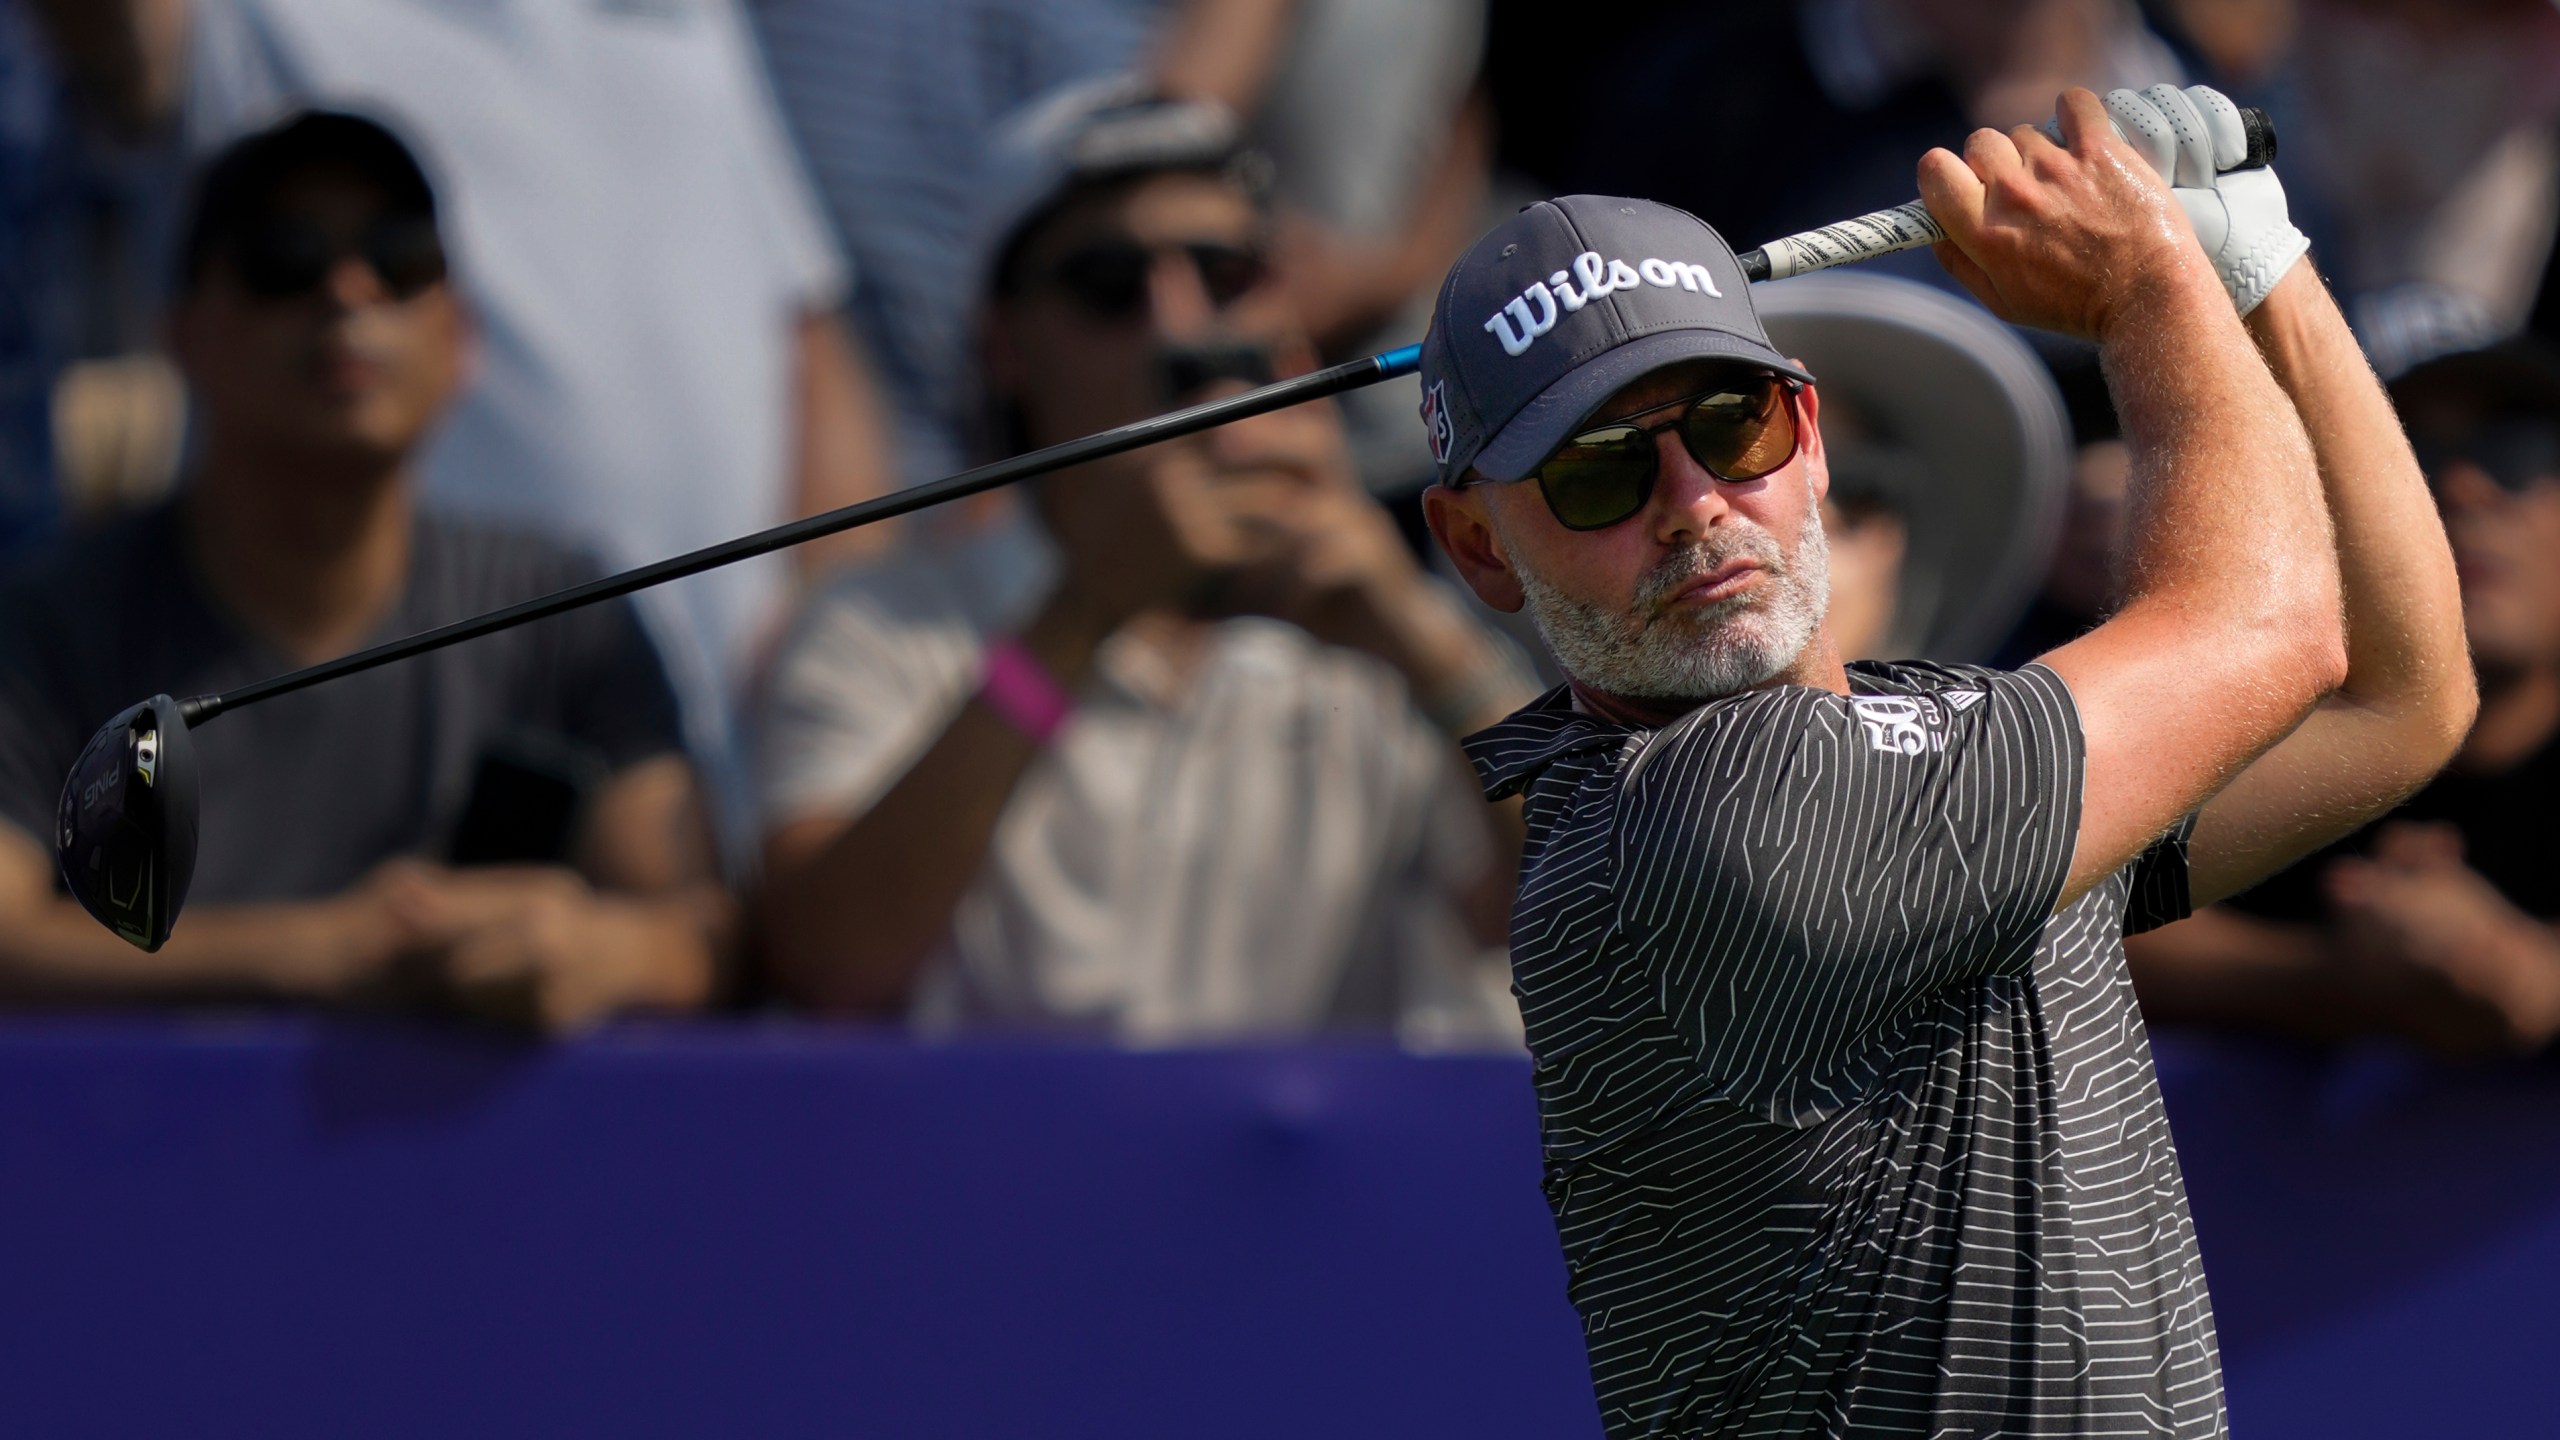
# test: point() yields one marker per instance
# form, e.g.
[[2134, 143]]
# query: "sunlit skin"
[[1489, 530]]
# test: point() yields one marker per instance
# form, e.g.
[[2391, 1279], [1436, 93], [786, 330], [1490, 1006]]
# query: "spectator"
[[2435, 925], [894, 102], [1947, 447], [1104, 786], [662, 367], [322, 341], [2437, 225]]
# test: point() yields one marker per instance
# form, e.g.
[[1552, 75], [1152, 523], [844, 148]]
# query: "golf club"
[[125, 828]]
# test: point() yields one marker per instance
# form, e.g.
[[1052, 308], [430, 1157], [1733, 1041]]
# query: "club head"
[[125, 833]]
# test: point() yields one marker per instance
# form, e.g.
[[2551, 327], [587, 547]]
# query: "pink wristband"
[[1020, 689]]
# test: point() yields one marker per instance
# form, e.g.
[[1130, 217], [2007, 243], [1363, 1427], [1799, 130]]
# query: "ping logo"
[[1534, 311], [1435, 419], [1911, 724]]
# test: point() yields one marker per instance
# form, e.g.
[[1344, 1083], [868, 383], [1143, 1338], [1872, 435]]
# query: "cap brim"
[[1560, 409]]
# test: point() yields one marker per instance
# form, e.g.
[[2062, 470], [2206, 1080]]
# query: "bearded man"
[[1849, 1117]]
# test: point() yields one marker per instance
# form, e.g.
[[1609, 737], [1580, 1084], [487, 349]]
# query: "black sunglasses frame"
[[2514, 452], [1789, 388], [268, 270], [1227, 272]]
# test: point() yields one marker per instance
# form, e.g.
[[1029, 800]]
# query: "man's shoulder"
[[477, 564], [92, 585]]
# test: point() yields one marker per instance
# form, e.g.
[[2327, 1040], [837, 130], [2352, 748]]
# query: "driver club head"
[[125, 833]]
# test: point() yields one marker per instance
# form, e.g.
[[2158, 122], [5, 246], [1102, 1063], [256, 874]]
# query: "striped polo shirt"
[[1847, 1130]]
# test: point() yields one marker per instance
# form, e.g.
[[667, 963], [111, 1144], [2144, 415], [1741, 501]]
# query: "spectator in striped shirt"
[[1849, 1118]]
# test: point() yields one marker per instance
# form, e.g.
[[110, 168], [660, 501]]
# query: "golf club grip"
[[1909, 226], [1334, 380]]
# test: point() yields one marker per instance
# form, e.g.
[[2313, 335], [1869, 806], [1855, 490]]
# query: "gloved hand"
[[2190, 136]]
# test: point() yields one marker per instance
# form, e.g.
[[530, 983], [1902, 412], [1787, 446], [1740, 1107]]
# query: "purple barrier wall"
[[283, 1229]]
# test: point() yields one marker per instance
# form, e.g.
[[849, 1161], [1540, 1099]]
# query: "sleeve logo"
[[1911, 724]]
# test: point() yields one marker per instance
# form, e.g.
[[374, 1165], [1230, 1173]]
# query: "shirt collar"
[[1507, 756]]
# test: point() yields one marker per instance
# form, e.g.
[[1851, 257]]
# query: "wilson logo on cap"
[[1435, 419], [1534, 311]]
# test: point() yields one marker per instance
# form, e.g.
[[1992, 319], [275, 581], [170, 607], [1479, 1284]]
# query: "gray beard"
[[1723, 649]]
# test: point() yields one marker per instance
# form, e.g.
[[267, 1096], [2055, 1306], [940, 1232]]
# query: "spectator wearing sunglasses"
[[664, 365], [322, 343], [2436, 925], [1174, 757]]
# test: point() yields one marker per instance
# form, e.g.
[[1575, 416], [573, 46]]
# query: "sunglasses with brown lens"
[[1742, 430]]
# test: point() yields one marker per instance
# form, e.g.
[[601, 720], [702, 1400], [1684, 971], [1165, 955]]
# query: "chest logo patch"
[[1911, 724]]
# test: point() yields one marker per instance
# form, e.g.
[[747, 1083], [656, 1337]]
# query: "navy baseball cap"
[[1560, 307]]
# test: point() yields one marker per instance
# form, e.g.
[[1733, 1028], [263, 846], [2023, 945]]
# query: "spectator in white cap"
[[1177, 760]]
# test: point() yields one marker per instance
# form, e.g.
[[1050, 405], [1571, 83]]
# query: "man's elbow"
[[2309, 649]]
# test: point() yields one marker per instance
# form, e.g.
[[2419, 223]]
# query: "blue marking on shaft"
[[1400, 362]]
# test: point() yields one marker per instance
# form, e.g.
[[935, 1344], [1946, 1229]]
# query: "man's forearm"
[[2229, 632], [2408, 696], [852, 909], [52, 952]]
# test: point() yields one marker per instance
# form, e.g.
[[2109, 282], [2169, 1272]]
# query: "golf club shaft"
[[1901, 228], [1909, 226], [1335, 380]]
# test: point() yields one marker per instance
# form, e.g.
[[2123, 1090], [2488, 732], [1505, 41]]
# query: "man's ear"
[[1458, 521], [1817, 461]]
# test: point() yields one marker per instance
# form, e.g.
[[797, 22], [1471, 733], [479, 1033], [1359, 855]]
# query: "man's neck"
[[309, 554], [2519, 715]]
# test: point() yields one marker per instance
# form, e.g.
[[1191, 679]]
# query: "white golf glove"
[[2190, 136]]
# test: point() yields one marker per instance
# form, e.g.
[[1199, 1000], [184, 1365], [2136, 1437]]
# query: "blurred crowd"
[[321, 324]]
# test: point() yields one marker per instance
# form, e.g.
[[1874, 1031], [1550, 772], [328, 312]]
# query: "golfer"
[[1849, 1118]]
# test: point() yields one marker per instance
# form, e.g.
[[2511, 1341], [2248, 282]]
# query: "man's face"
[[1714, 587], [2504, 539], [356, 364], [1112, 280]]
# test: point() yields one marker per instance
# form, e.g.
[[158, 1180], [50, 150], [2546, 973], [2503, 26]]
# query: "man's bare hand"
[[2071, 237], [536, 947], [2442, 956]]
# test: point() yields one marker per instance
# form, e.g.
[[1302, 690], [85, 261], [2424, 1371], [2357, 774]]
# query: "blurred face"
[[2498, 484], [1111, 281], [1867, 544], [1713, 587], [326, 328]]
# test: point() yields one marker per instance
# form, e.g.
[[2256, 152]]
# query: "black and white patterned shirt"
[[1847, 1131]]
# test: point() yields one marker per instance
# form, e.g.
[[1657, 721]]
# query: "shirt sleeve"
[[813, 265], [2156, 882], [611, 686], [32, 755], [867, 680], [1794, 870]]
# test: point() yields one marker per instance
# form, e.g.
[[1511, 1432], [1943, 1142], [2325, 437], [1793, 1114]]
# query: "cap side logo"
[[1534, 311], [1435, 419]]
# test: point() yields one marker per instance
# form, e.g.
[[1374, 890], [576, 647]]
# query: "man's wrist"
[[1066, 634], [2179, 287]]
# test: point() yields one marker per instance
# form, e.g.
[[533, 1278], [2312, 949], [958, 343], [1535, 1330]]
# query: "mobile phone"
[[528, 801], [1183, 371]]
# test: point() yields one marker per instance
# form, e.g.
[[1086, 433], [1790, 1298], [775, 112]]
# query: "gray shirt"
[[304, 793], [1848, 1131], [1276, 842]]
